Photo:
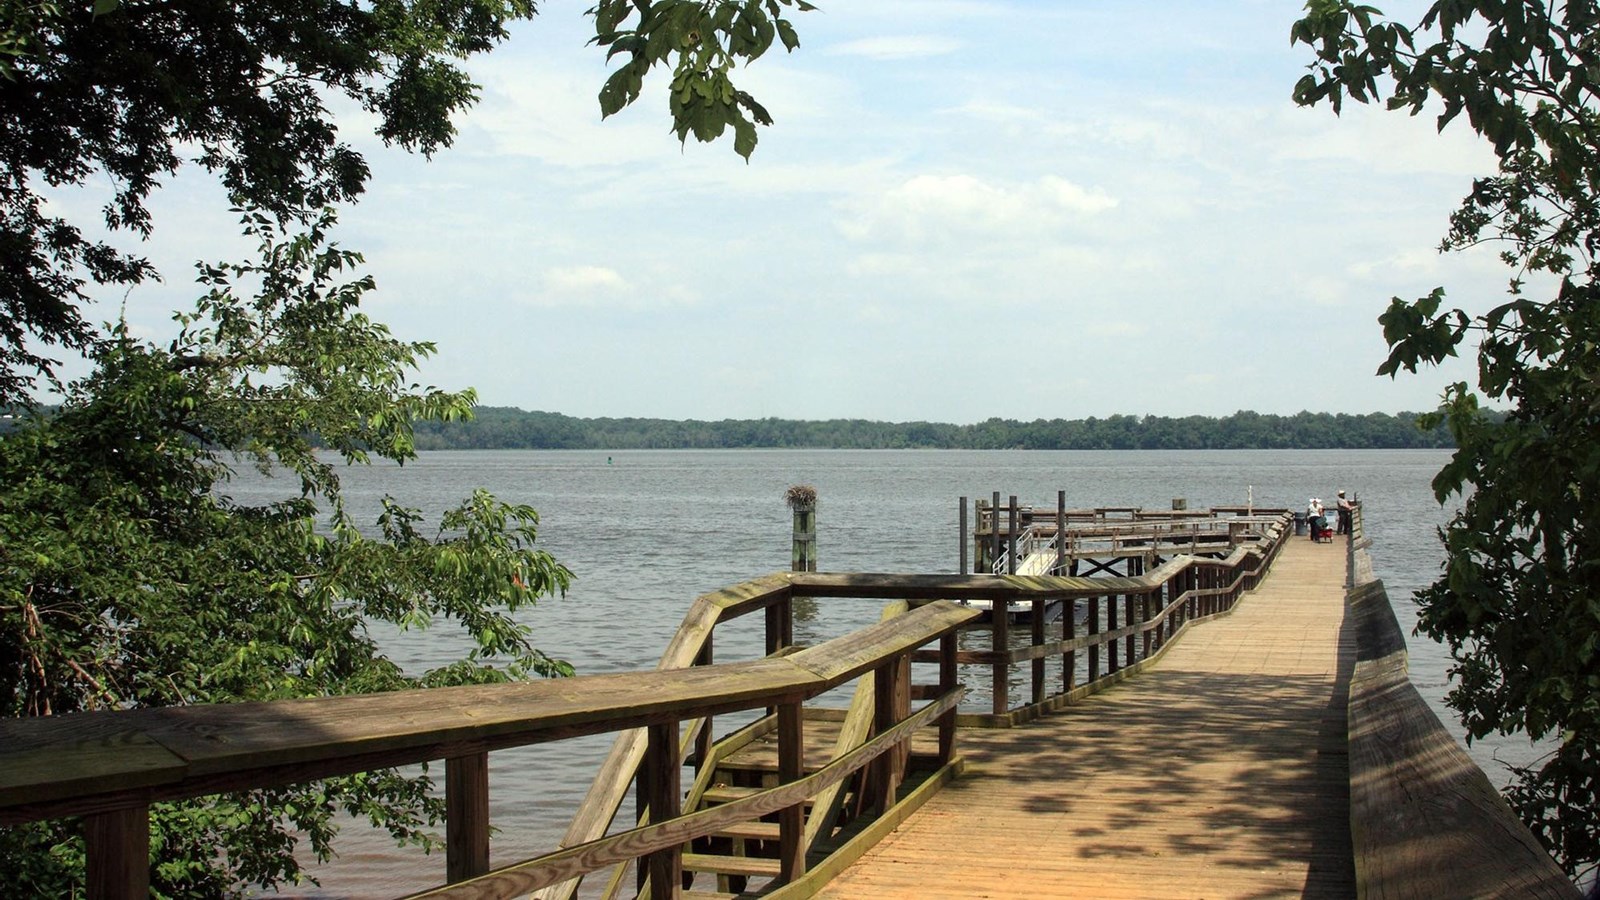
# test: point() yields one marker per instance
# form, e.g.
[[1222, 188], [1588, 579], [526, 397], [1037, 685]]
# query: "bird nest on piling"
[[801, 496]]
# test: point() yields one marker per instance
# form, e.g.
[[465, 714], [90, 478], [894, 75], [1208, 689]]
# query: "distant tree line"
[[505, 428]]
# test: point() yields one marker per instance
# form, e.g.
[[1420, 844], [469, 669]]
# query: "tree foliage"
[[128, 577], [128, 92], [502, 428], [703, 42], [1518, 602]]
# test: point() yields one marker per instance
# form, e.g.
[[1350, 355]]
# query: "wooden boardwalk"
[[1222, 772]]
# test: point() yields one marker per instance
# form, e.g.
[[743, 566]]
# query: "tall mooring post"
[[802, 498], [961, 516]]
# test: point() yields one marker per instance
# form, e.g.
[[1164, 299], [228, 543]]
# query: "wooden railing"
[[1127, 620], [110, 766], [1127, 623], [1006, 534], [1425, 821]]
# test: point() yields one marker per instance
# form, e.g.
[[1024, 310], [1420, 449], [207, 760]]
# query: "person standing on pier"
[[1344, 514]]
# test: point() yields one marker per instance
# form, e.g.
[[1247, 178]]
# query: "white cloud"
[[580, 286], [553, 117], [601, 287], [1382, 142], [584, 280], [995, 164], [931, 206], [897, 47], [1413, 261], [1074, 198]]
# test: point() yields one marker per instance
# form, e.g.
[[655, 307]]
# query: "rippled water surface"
[[647, 531]]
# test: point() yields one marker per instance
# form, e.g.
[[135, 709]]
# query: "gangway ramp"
[[1039, 562]]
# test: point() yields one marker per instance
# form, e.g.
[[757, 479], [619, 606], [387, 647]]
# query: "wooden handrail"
[[1425, 821], [122, 761], [116, 758], [112, 765], [688, 646], [541, 871], [616, 774]]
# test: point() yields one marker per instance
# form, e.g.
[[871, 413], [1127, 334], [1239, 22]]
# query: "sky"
[[965, 209]]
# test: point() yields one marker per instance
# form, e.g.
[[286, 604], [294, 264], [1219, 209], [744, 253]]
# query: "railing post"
[[902, 711], [1129, 601], [1000, 622], [1061, 534], [466, 800], [961, 515], [1094, 647], [1175, 599], [118, 849], [887, 768], [702, 739], [1038, 641], [1069, 660], [1148, 644], [1112, 660], [1191, 583], [791, 819], [994, 533], [1011, 538], [947, 683], [780, 624], [664, 795]]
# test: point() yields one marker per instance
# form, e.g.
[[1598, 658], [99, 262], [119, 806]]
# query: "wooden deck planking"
[[1222, 772]]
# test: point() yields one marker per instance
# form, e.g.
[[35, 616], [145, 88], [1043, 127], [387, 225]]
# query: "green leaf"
[[786, 33], [744, 141]]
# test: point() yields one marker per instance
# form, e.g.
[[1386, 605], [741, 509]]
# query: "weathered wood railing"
[[1127, 620], [1425, 820], [108, 767], [1005, 535], [1127, 623]]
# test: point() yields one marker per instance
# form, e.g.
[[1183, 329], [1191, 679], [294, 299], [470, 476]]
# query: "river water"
[[647, 531]]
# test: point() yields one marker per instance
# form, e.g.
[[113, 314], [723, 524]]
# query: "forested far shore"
[[507, 428]]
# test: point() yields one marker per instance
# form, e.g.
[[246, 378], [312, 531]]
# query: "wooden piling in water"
[[961, 516], [802, 499]]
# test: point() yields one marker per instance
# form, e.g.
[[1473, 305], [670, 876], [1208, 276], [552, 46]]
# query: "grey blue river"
[[646, 531]]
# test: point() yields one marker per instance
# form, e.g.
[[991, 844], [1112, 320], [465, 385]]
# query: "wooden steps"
[[727, 793], [751, 831], [755, 866]]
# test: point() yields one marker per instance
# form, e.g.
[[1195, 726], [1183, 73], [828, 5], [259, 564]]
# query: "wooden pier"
[[1231, 718], [1220, 772]]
